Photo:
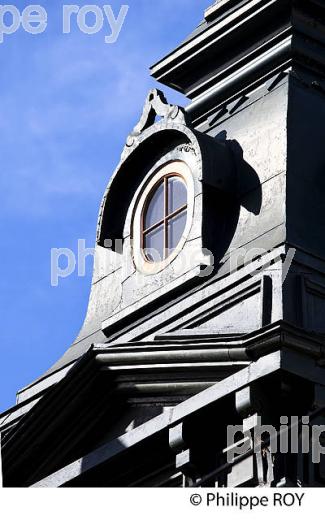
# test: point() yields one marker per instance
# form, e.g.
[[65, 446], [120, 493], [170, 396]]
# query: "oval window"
[[164, 217]]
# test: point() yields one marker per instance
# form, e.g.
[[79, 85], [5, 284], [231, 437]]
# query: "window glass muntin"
[[173, 220]]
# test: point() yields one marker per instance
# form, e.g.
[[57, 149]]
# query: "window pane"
[[177, 194], [155, 209], [176, 227], [154, 245]]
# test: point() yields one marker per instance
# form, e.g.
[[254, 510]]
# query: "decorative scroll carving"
[[156, 105], [187, 148]]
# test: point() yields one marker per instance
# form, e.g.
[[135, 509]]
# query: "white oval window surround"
[[163, 216]]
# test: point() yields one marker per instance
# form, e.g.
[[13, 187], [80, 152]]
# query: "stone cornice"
[[240, 45]]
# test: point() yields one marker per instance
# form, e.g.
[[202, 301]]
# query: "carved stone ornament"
[[156, 105]]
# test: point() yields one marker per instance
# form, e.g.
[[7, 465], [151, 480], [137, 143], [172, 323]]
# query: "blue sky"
[[67, 105]]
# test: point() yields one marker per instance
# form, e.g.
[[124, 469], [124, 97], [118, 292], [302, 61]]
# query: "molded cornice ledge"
[[218, 8], [154, 431], [82, 388], [242, 44]]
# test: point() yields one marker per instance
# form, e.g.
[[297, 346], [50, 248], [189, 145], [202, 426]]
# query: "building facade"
[[208, 292]]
